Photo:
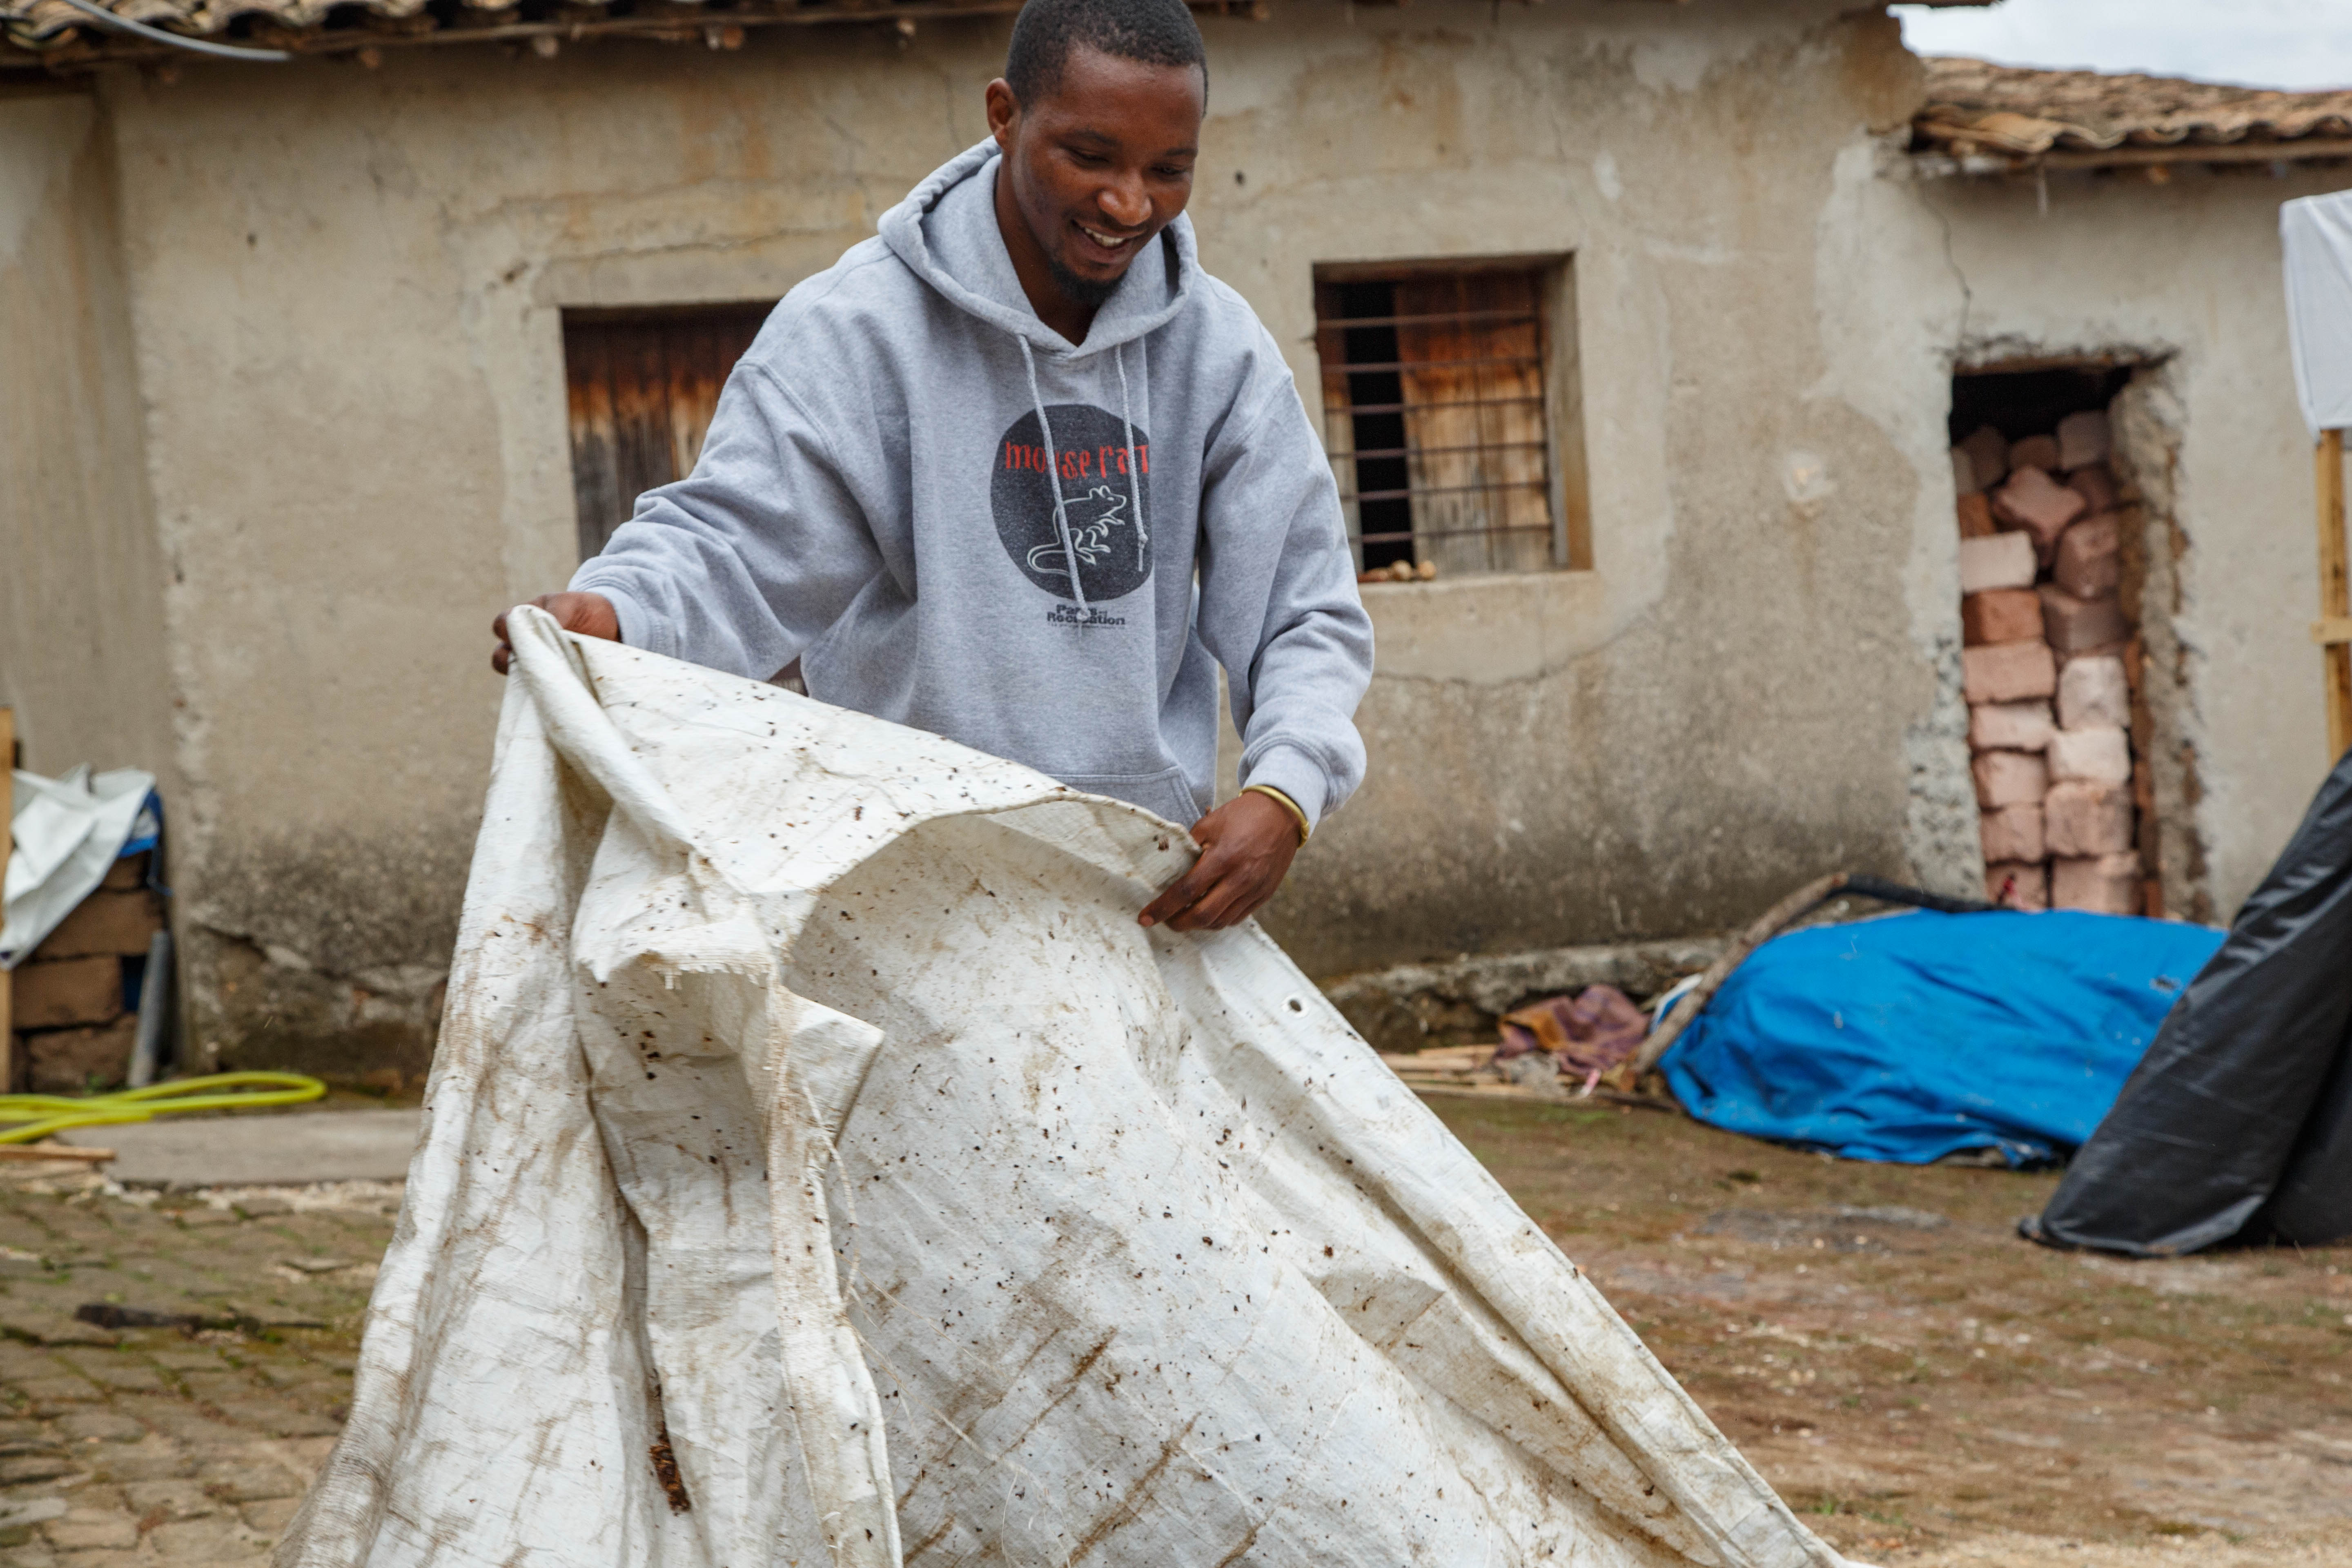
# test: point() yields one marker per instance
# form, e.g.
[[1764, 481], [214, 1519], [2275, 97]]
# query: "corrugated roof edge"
[[1989, 119]]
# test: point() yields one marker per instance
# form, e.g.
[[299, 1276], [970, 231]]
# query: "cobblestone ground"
[[173, 1444], [1928, 1390]]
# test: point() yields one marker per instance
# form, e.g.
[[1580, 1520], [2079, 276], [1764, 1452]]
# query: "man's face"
[[1101, 164]]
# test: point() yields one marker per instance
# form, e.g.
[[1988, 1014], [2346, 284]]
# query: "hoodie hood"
[[946, 233]]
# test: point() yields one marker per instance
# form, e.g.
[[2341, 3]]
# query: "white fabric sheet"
[[808, 1092], [2316, 234], [64, 835]]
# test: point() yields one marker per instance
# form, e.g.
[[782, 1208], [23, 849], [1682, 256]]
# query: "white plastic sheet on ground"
[[808, 1092], [2315, 235], [65, 836]]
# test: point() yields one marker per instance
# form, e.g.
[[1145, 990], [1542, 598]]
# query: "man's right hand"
[[590, 614]]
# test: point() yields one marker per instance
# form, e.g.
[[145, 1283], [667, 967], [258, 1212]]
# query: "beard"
[[1089, 292]]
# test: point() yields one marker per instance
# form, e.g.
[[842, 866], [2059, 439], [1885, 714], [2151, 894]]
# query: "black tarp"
[[2238, 1122]]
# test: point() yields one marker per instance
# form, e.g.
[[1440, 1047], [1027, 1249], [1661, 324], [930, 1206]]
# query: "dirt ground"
[[1924, 1387]]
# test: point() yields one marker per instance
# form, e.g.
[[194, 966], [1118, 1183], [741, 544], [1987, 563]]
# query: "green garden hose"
[[43, 1114]]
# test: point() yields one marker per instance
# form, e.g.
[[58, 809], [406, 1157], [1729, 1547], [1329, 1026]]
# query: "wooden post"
[[2333, 630], [7, 845]]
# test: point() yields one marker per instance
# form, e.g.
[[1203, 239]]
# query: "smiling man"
[[1018, 472]]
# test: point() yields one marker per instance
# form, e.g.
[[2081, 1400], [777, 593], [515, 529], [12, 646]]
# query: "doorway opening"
[[2055, 665]]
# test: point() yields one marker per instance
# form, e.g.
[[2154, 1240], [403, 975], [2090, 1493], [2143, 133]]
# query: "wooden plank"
[[595, 480], [7, 846], [641, 422], [2334, 589]]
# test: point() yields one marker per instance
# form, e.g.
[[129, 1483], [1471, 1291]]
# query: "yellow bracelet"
[[1286, 803]]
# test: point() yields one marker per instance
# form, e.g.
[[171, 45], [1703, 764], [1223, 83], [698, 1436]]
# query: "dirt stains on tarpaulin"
[[1138, 1491], [665, 1472]]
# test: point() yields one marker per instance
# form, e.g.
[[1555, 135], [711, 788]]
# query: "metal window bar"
[[1448, 482], [1543, 527], [1419, 407], [1456, 490], [1358, 367], [1341, 324]]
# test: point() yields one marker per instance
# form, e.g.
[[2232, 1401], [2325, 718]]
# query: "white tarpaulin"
[[808, 1093], [2316, 232], [65, 836]]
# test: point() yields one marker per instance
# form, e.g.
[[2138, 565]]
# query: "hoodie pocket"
[[1166, 794]]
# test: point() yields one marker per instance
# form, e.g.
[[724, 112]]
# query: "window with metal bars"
[[643, 386], [1443, 387]]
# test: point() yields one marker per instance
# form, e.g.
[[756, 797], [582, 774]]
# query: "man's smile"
[[1111, 245]]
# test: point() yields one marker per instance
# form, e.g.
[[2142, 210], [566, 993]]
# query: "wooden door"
[[644, 386]]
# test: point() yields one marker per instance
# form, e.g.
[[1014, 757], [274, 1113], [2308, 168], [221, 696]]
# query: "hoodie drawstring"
[[1126, 429], [1053, 471]]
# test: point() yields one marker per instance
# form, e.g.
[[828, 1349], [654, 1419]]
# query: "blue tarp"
[[1922, 1034]]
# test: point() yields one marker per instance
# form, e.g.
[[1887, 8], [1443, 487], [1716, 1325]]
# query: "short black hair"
[[1155, 32]]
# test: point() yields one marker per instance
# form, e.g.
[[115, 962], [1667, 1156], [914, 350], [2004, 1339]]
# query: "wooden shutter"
[[643, 388], [1473, 353]]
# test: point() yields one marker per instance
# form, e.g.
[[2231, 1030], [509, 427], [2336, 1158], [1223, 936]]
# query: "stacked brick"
[[2050, 664], [72, 994]]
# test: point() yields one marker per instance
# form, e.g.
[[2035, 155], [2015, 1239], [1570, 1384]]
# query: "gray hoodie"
[[875, 498]]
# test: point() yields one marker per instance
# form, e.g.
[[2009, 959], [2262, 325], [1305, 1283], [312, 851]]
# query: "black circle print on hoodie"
[[1103, 503]]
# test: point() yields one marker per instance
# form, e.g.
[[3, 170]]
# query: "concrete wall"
[[2183, 277], [82, 646], [347, 286], [1746, 691]]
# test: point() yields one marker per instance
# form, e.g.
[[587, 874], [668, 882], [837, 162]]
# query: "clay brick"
[[2012, 672], [2104, 884], [67, 1061], [1976, 517], [2080, 818], [2076, 625], [117, 924], [2003, 614], [2092, 695], [2034, 452], [127, 872], [2083, 438], [1964, 474], [2009, 778], [1987, 452], [2018, 885], [60, 993], [2119, 648], [2100, 756], [2011, 727], [2000, 560], [2095, 484], [2011, 833], [2085, 563], [2033, 501]]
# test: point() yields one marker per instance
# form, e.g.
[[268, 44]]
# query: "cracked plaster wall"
[[347, 287]]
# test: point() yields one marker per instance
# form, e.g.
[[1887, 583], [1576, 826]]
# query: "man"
[[1018, 472]]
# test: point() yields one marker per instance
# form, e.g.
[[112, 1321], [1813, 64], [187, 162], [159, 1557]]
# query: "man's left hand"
[[1246, 846]]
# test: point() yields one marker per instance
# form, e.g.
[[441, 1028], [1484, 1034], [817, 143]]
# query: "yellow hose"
[[43, 1114]]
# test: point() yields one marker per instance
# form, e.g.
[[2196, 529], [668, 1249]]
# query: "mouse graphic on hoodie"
[[957, 519]]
